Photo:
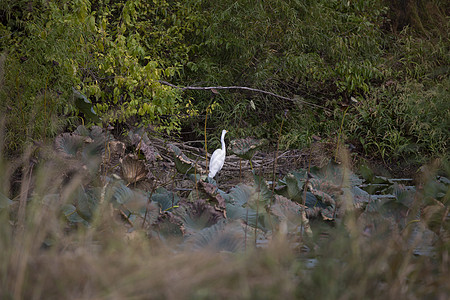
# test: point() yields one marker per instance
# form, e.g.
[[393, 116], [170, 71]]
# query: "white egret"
[[217, 158]]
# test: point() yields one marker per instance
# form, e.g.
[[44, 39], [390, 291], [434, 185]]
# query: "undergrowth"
[[403, 122]]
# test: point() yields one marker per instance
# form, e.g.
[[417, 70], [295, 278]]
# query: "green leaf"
[[366, 173], [240, 194], [85, 106], [286, 210], [165, 199], [184, 164], [264, 194], [291, 187], [246, 148], [198, 215], [70, 212], [69, 144], [119, 193], [87, 202], [238, 206], [222, 236]]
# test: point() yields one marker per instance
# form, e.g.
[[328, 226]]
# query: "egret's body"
[[217, 158]]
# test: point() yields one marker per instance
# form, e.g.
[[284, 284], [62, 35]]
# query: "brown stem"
[[240, 88]]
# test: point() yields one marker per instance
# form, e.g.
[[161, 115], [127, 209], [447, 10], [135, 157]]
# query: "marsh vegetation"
[[336, 179]]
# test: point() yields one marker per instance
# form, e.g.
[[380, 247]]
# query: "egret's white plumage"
[[217, 158]]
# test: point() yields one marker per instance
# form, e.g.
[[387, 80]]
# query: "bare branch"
[[240, 88]]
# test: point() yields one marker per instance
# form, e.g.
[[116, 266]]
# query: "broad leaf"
[[165, 199], [133, 169], [142, 143], [68, 144], [184, 164], [222, 236], [263, 194], [87, 202], [246, 148], [70, 212], [85, 106], [197, 215]]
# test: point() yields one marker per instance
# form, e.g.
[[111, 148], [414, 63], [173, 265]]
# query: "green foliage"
[[323, 52], [281, 41], [311, 50], [302, 124], [245, 148], [221, 236], [165, 199], [184, 164], [113, 53], [409, 122]]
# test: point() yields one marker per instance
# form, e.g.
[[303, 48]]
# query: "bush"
[[318, 51], [407, 122], [109, 52]]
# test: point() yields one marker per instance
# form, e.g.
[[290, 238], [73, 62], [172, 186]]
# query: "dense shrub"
[[404, 122], [311, 50], [109, 52]]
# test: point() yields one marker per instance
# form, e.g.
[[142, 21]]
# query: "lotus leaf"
[[184, 164], [290, 188], [336, 174], [198, 215], [436, 217], [168, 226], [404, 194], [85, 106], [246, 148], [240, 195], [96, 146], [240, 206], [211, 191], [70, 212], [360, 197], [222, 236], [68, 144], [322, 196], [133, 169], [264, 194], [290, 212], [87, 202], [143, 144], [150, 212], [165, 199], [118, 193], [246, 214], [82, 130]]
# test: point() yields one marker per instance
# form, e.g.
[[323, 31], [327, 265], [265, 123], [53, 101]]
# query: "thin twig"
[[233, 87]]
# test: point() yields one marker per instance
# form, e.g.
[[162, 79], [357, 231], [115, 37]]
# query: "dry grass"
[[42, 257]]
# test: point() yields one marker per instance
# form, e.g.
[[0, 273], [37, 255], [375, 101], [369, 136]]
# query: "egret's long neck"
[[223, 142]]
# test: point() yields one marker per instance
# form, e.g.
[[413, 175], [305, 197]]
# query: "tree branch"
[[240, 88]]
